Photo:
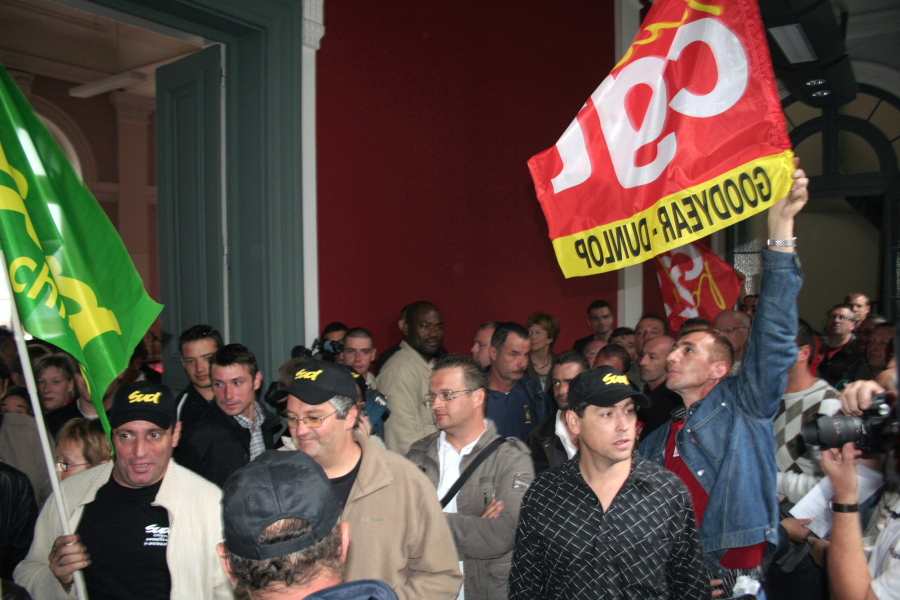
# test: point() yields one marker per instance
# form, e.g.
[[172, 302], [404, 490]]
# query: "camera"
[[873, 432]]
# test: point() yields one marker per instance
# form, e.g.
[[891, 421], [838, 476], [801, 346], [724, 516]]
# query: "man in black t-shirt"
[[145, 527]]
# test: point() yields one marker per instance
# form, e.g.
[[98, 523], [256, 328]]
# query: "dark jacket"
[[216, 445], [545, 446], [833, 369], [662, 402], [515, 414], [191, 406], [18, 513]]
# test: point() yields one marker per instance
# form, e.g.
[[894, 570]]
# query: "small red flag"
[[695, 283]]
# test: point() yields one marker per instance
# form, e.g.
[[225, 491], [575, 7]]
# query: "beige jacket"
[[398, 533], [195, 527], [485, 545], [404, 382], [20, 447]]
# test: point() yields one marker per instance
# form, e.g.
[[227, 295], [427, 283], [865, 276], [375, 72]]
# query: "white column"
[[313, 30], [631, 279]]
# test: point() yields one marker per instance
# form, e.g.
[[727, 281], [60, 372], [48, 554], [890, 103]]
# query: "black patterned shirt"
[[646, 546]]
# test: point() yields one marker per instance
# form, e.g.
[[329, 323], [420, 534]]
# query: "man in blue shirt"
[[516, 403]]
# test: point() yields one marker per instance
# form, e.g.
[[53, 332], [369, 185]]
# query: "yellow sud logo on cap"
[[610, 379], [312, 375], [139, 397]]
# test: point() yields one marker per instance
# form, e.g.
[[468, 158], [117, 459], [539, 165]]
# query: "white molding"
[[630, 297], [874, 23], [313, 23], [880, 76], [313, 30]]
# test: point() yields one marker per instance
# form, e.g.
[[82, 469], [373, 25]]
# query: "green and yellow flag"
[[74, 283]]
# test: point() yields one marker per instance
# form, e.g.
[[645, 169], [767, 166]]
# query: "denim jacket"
[[728, 440]]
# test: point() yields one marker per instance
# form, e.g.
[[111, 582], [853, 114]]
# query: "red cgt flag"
[[685, 136], [695, 283]]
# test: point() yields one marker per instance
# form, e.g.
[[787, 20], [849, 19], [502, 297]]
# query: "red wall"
[[427, 115]]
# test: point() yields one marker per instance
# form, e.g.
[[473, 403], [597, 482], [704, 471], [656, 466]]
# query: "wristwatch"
[[844, 508], [782, 243]]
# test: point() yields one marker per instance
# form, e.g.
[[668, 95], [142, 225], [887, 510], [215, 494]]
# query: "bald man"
[[736, 327], [654, 374], [592, 348]]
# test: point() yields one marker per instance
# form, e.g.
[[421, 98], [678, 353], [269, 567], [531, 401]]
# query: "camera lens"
[[831, 432]]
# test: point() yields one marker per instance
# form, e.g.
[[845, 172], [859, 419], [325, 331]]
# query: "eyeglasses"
[[62, 467], [536, 333], [840, 318], [311, 422], [446, 396], [732, 329]]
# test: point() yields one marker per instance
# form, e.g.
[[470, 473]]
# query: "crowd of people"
[[643, 463]]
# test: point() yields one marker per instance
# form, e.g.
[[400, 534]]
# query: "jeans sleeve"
[[771, 350]]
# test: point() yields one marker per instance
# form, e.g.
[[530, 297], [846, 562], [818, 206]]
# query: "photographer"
[[849, 577]]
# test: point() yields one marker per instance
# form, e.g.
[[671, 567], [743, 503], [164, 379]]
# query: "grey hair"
[[342, 404]]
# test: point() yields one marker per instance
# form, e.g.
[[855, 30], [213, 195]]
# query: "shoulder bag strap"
[[482, 456]]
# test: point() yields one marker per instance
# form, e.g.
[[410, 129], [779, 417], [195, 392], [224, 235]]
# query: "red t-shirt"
[[736, 558]]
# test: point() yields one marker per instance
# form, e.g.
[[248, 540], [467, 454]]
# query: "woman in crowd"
[[543, 330], [57, 377], [80, 445], [55, 382]]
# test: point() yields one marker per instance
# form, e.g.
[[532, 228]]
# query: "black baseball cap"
[[275, 486], [317, 382], [603, 386], [143, 401]]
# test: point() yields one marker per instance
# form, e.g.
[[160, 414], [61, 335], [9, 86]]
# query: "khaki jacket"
[[195, 527], [485, 545], [398, 533], [404, 382]]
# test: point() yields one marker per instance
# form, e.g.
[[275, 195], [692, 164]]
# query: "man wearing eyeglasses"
[[484, 509], [839, 351], [397, 530], [197, 345], [736, 327]]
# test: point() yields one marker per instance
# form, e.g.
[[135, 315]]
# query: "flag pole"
[[49, 456]]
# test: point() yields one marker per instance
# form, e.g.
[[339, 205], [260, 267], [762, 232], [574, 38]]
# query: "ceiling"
[[64, 42]]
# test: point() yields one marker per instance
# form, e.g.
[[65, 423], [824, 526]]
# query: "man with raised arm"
[[722, 444]]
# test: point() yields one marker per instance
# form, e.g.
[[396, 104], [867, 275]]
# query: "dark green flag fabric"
[[74, 282]]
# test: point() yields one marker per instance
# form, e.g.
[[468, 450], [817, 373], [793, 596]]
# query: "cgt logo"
[[626, 135], [698, 271], [139, 397]]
